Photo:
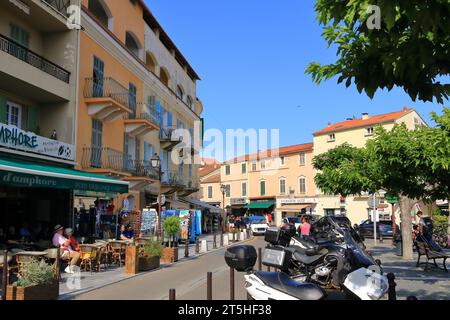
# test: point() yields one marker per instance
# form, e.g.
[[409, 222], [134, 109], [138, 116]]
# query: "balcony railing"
[[110, 159], [59, 5], [107, 88], [20, 52], [170, 178], [169, 133], [150, 114]]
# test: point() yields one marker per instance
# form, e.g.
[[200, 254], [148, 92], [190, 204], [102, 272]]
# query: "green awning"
[[29, 174], [260, 205]]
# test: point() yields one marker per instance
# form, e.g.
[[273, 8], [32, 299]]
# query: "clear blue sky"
[[251, 56]]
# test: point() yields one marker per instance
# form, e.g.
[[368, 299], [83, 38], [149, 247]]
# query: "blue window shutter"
[[146, 152], [169, 119]]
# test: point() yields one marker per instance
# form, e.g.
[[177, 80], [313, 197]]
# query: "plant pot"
[[169, 255], [39, 292], [148, 263]]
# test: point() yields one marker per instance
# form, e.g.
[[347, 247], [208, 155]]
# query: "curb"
[[71, 295]]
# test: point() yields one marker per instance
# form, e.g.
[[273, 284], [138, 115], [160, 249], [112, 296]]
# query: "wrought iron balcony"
[[141, 168], [59, 5], [148, 113], [107, 88], [33, 59]]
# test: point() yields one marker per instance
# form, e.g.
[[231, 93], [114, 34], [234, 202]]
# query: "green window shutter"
[[33, 119], [2, 109], [20, 35], [263, 188]]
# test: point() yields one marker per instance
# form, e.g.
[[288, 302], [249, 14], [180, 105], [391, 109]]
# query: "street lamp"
[[223, 189], [156, 164]]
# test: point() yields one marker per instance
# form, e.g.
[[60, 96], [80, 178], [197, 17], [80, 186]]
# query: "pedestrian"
[[305, 228]]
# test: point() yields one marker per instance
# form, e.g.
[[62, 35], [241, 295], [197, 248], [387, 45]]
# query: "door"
[[98, 77], [96, 145], [13, 114], [132, 100]]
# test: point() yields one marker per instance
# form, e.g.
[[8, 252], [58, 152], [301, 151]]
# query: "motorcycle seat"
[[282, 282], [308, 258]]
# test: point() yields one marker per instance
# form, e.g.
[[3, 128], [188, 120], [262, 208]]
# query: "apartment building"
[[210, 183], [356, 132], [279, 182], [38, 102], [136, 91]]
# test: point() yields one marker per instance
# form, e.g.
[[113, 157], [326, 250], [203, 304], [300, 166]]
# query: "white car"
[[292, 220], [259, 226]]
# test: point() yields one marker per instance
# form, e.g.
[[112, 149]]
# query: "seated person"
[[73, 240], [60, 241], [126, 233], [107, 234]]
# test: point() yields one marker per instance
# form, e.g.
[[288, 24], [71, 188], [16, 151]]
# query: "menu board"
[[149, 221], [185, 224]]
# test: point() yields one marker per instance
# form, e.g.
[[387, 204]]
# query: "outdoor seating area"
[[424, 249]]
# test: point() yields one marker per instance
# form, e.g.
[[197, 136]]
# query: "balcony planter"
[[147, 263], [169, 255], [33, 292]]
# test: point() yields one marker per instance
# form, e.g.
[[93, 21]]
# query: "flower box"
[[170, 255], [39, 292], [148, 263]]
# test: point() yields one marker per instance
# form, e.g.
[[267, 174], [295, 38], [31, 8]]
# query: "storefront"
[[211, 216], [264, 208], [38, 195], [237, 207], [293, 207]]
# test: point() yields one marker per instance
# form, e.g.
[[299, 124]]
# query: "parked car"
[[259, 225], [384, 228], [292, 220]]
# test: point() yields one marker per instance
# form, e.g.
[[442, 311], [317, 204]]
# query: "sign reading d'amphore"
[[14, 138]]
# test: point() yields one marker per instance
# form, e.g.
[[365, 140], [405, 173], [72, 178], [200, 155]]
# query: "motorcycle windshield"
[[361, 258]]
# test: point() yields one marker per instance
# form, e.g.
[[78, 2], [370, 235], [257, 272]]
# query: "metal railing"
[[170, 178], [59, 5], [33, 59], [107, 158], [107, 88], [148, 113], [169, 133]]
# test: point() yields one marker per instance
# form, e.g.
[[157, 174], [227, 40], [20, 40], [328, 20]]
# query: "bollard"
[[260, 259], [197, 246], [231, 284], [234, 236], [204, 246], [221, 239], [172, 294], [209, 286], [226, 241], [215, 242], [186, 248], [381, 237], [5, 274], [392, 295]]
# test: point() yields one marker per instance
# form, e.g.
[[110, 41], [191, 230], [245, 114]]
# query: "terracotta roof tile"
[[354, 123]]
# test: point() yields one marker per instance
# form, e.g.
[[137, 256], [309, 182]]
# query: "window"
[[282, 161], [101, 12], [302, 185], [331, 137], [20, 35], [150, 62], [282, 185], [263, 164], [302, 158], [164, 76], [98, 77], [228, 191], [180, 92], [132, 100], [244, 168], [262, 188], [210, 192], [369, 131], [227, 170], [96, 144], [254, 166], [132, 43], [190, 102], [13, 114], [244, 189]]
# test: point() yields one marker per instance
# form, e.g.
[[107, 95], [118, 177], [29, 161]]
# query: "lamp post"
[[156, 164], [223, 189]]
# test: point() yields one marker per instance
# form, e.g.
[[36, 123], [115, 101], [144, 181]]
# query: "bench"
[[423, 249]]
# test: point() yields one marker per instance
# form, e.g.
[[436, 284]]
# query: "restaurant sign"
[[14, 138], [238, 201], [299, 200], [37, 181]]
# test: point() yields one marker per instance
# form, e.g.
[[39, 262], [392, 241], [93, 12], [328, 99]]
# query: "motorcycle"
[[361, 284], [326, 259]]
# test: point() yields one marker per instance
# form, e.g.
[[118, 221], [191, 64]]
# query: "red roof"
[[268, 153], [348, 124]]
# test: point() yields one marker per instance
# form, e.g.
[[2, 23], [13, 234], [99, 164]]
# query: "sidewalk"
[[411, 280], [71, 286]]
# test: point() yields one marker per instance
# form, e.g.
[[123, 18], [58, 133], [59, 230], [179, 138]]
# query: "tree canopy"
[[410, 49]]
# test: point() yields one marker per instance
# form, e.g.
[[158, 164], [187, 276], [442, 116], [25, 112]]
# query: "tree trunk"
[[448, 227], [406, 206]]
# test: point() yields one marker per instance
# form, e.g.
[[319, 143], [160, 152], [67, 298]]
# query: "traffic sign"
[[371, 200], [392, 199]]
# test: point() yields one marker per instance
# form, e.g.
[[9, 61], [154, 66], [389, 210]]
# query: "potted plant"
[[37, 281], [171, 227], [149, 257]]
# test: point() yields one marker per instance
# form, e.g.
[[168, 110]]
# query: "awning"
[[260, 205], [29, 174], [202, 204]]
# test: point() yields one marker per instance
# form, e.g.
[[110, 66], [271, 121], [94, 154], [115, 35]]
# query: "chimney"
[[405, 109], [365, 116]]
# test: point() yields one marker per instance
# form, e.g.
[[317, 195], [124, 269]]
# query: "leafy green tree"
[[171, 227], [411, 164], [408, 47]]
